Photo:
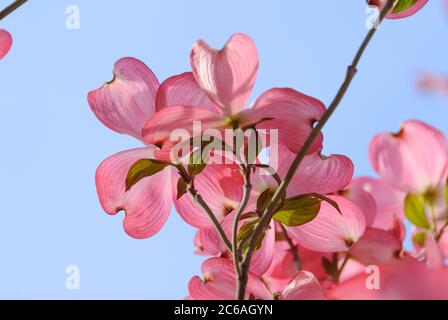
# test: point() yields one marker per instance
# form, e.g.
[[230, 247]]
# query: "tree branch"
[[11, 8], [246, 194], [267, 215]]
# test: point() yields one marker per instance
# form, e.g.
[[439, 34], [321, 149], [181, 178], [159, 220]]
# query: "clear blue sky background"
[[51, 143]]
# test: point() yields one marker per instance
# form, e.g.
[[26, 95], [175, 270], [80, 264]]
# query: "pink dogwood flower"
[[403, 9], [219, 283], [5, 43], [411, 163], [124, 105], [388, 201], [227, 78]]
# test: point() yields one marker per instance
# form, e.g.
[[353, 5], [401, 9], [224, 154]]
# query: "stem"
[[267, 215], [442, 230], [293, 248], [246, 194], [199, 200], [344, 263], [11, 8]]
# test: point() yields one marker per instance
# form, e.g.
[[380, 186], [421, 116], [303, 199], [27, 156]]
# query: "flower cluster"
[[326, 229]]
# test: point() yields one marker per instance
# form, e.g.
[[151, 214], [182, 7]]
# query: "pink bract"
[[412, 160], [5, 43], [124, 105], [419, 4]]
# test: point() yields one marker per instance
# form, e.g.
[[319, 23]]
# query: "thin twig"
[[201, 202], [245, 170], [441, 231], [342, 267], [267, 215], [11, 8]]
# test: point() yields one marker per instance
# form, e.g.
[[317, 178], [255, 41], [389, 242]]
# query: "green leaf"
[[181, 188], [420, 238], [143, 168], [246, 232], [263, 200], [414, 207], [298, 211], [403, 5], [196, 163]]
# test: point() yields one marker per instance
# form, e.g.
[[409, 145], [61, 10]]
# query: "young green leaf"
[[263, 200], [246, 232], [298, 211], [196, 163], [331, 267], [414, 207], [143, 168], [420, 238], [181, 188], [403, 5]]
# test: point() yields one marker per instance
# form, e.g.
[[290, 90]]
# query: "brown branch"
[[267, 215], [11, 8]]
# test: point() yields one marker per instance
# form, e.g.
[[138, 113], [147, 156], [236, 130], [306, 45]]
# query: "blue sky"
[[52, 143]]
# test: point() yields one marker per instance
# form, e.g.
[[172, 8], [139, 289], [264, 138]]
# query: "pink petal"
[[316, 173], [228, 75], [183, 90], [352, 269], [127, 102], [434, 83], [220, 283], [221, 187], [331, 231], [376, 247], [413, 160], [146, 205], [293, 115], [209, 243], [443, 243], [303, 286], [389, 201], [159, 128], [364, 201], [5, 43], [405, 279]]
